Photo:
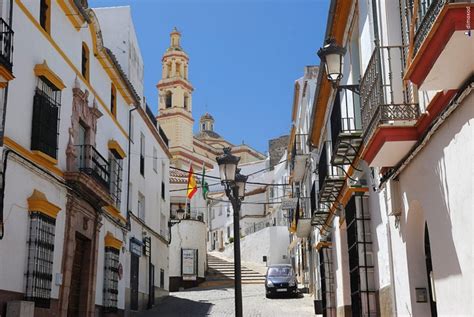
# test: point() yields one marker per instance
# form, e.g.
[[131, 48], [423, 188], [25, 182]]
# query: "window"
[[155, 160], [185, 75], [46, 106], [178, 69], [85, 61], [162, 278], [168, 70], [163, 225], [142, 154], [115, 163], [113, 100], [141, 206], [39, 273], [228, 231], [45, 15], [169, 99], [186, 99], [163, 191], [203, 126], [111, 278]]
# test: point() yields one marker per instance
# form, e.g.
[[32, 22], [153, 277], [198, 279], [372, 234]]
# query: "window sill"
[[45, 157]]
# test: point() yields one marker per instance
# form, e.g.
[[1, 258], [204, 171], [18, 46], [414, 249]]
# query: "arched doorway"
[[429, 272]]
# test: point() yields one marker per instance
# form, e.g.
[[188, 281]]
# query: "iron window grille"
[[45, 123], [116, 172], [111, 278], [327, 281], [142, 154], [361, 266], [6, 44], [40, 259]]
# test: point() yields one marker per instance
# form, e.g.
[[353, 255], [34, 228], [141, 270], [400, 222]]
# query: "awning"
[[303, 228], [293, 244]]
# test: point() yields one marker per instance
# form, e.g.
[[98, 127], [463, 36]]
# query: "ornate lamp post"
[[332, 55], [234, 186], [179, 216]]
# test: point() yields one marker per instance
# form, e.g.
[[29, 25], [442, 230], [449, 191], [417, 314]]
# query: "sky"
[[245, 56]]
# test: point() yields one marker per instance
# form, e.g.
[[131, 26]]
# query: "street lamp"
[[234, 186], [332, 55], [173, 221]]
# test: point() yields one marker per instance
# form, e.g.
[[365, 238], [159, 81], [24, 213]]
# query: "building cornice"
[[164, 83]]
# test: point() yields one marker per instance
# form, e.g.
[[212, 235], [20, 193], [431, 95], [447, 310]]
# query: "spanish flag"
[[192, 184]]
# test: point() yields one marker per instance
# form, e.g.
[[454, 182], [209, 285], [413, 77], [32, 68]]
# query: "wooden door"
[[76, 305], [134, 282]]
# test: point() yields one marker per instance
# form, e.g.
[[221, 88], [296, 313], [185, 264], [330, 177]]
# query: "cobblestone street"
[[220, 302]]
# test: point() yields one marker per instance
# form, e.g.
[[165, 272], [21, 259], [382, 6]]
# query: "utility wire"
[[267, 168]]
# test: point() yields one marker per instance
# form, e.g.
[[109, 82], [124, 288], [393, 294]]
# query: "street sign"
[[288, 203]]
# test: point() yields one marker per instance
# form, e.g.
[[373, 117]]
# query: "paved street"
[[220, 302]]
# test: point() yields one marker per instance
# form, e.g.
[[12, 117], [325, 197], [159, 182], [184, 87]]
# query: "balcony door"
[[429, 271]]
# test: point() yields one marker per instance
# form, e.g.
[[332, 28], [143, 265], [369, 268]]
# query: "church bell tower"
[[175, 95]]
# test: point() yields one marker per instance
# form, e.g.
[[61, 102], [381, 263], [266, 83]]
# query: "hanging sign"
[[288, 203], [136, 246]]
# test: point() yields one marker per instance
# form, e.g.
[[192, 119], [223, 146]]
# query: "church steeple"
[[175, 37], [175, 94]]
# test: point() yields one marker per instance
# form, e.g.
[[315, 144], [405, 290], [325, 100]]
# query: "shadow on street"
[[176, 306]]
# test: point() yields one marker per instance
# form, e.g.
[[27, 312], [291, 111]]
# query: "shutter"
[[35, 122], [52, 136]]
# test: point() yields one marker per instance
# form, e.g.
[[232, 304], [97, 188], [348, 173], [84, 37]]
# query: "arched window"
[[178, 69], [45, 15], [185, 75], [85, 61], [168, 70], [186, 99], [169, 99]]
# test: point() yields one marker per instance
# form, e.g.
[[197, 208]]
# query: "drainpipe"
[[128, 167], [2, 192]]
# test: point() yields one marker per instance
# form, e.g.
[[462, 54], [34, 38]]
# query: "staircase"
[[221, 273]]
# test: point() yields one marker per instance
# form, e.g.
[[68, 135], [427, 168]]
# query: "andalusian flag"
[[204, 184], [192, 184]]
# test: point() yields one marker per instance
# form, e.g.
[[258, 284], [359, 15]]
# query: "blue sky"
[[244, 57]]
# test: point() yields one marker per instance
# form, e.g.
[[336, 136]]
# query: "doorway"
[[134, 266], [78, 292], [429, 272]]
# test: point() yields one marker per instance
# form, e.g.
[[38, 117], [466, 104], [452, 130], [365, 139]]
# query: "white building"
[[301, 165], [66, 223], [395, 189]]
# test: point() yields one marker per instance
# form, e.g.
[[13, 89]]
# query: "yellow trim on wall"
[[5, 73], [40, 160], [38, 202], [111, 241], [114, 212], [72, 14], [114, 145], [69, 62], [45, 156], [43, 70]]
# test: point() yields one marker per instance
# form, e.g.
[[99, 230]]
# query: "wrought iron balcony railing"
[[384, 99], [331, 178], [91, 162], [426, 15], [300, 147], [346, 125], [6, 45]]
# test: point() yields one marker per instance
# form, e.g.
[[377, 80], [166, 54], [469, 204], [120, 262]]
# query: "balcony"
[[438, 42], [388, 117], [331, 178], [299, 157], [91, 175], [346, 126], [320, 216], [6, 52]]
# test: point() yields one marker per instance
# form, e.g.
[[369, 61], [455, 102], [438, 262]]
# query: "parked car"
[[280, 279]]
